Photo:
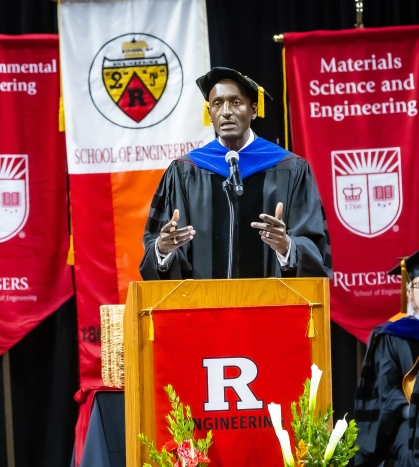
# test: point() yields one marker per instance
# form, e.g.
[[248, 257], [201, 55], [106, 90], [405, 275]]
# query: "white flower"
[[316, 374], [275, 413], [283, 436], [284, 439], [335, 437]]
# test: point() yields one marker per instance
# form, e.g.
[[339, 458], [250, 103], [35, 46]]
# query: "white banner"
[[128, 72]]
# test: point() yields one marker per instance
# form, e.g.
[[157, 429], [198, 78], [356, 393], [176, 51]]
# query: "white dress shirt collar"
[[250, 140]]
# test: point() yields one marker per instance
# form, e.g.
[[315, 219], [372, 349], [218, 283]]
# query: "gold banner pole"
[[359, 6]]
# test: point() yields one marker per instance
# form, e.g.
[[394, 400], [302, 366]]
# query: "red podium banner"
[[214, 360], [354, 115], [34, 239]]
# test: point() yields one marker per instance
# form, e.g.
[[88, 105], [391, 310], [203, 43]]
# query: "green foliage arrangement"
[[316, 444], [183, 450], [313, 435]]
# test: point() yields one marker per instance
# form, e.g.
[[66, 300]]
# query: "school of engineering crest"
[[14, 195], [136, 80], [367, 189]]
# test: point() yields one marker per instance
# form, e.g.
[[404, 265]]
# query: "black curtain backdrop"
[[44, 363]]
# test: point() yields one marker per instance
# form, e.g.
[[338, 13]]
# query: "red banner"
[[228, 378], [354, 115], [35, 279]]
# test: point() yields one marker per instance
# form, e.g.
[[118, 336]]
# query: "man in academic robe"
[[200, 227], [387, 398]]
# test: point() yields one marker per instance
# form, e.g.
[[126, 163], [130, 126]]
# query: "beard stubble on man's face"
[[231, 112]]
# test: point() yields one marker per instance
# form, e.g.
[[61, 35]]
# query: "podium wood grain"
[[138, 349]]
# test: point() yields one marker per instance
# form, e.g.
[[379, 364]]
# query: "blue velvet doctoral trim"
[[406, 328], [257, 156]]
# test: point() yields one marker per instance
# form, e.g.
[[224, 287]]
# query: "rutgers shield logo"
[[136, 80], [14, 195], [367, 189]]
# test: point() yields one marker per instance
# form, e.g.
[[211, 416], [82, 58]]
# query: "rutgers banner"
[[228, 378], [131, 107], [34, 277], [354, 115]]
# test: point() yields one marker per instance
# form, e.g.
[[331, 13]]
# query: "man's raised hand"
[[171, 238], [273, 231]]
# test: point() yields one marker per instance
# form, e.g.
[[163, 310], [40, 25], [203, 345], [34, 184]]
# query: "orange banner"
[[109, 212]]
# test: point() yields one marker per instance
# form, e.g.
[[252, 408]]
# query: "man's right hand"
[[171, 238]]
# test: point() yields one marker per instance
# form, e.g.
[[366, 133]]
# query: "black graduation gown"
[[379, 402], [413, 423], [199, 196]]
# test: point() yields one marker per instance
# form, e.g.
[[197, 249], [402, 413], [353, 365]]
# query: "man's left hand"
[[273, 231]]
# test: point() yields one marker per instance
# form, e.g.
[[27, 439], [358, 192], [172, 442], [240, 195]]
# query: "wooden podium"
[[191, 294]]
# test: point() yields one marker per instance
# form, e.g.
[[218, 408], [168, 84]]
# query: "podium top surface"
[[193, 293]]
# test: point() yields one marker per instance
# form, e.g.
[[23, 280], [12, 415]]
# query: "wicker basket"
[[112, 339]]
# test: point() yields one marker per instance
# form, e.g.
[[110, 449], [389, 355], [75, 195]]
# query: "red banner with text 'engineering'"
[[214, 360], [34, 239], [354, 116]]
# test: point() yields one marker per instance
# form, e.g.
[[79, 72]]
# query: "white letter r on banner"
[[217, 383]]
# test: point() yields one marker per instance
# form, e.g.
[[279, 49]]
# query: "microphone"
[[232, 158]]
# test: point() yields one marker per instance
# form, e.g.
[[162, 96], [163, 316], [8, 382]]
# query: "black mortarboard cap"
[[207, 82], [408, 268], [412, 266]]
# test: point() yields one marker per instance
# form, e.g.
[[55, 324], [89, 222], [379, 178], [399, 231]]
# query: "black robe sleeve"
[[306, 226], [414, 423], [170, 195]]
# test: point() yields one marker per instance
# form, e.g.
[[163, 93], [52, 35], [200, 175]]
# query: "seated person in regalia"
[[387, 398]]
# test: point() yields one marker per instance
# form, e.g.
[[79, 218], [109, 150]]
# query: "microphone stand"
[[227, 185]]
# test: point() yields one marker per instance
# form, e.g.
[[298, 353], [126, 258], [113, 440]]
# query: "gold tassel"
[[311, 329], [261, 102], [149, 311], [151, 328], [403, 303], [284, 72], [61, 120], [70, 254], [207, 121]]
